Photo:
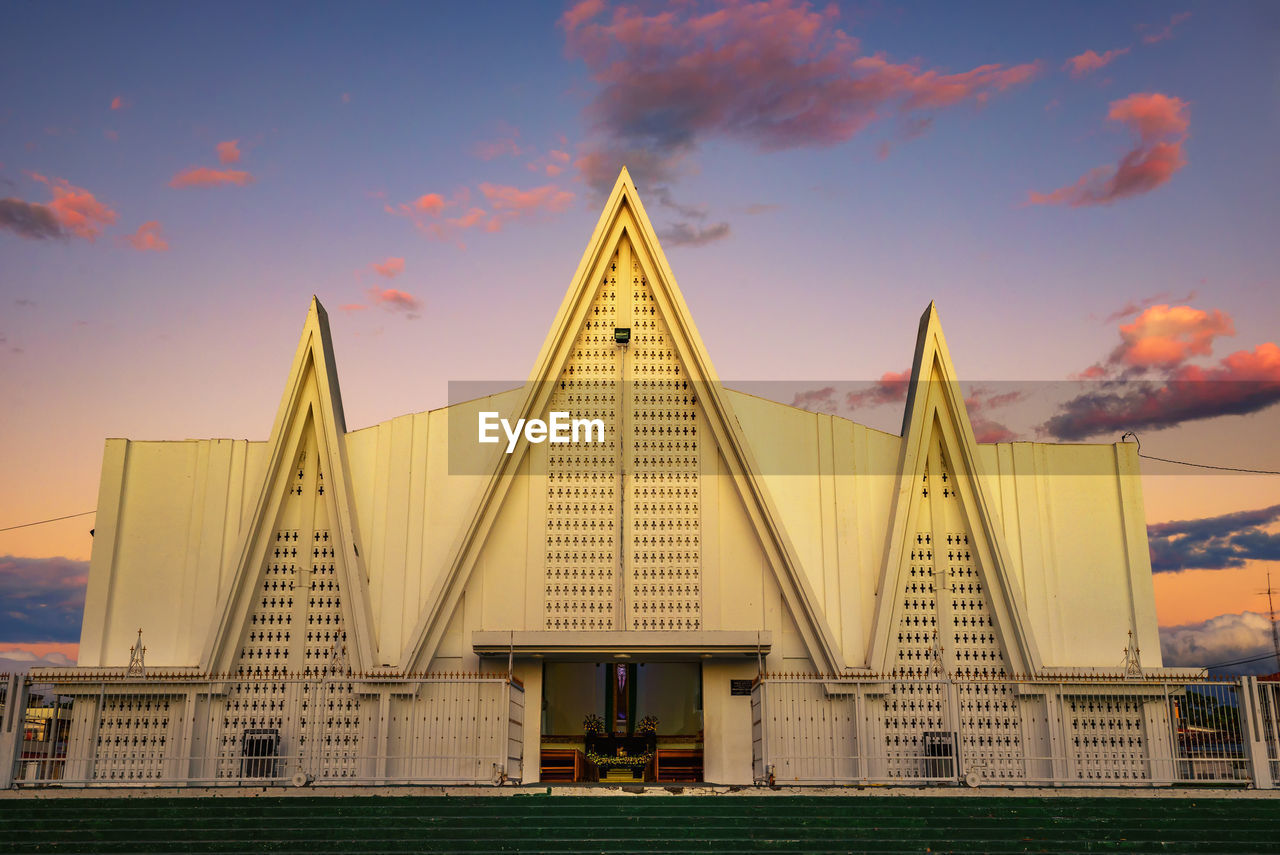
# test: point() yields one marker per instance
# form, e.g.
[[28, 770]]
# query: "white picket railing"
[[1098, 732], [323, 729]]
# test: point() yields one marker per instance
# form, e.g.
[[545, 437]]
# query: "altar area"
[[622, 722]]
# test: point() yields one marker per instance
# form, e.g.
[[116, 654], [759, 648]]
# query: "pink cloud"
[[546, 198], [1090, 61], [229, 151], [353, 307], [75, 209], [203, 176], [117, 103], [775, 75], [1165, 32], [1162, 123], [148, 238], [391, 268], [1148, 380], [891, 387], [390, 298]]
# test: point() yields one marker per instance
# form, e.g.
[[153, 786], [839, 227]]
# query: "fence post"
[[1254, 736], [12, 727]]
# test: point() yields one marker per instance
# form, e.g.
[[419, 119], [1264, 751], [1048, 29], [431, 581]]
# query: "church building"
[[700, 585]]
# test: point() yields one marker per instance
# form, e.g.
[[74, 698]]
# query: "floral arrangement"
[[630, 761], [593, 724], [647, 725]]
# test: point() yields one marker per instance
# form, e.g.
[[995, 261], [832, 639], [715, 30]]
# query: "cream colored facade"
[[712, 526]]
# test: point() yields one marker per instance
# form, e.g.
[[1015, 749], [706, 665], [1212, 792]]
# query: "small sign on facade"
[[739, 687]]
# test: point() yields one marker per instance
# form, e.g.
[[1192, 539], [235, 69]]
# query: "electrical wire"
[[1242, 661], [1124, 437], [55, 519], [1208, 466]]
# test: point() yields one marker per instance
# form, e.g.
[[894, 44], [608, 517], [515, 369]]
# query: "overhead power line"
[[1124, 436], [55, 519], [1242, 661]]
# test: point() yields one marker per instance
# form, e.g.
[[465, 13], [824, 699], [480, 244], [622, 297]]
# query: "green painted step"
[[706, 825]]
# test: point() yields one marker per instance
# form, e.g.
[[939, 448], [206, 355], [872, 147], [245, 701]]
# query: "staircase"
[[706, 825]]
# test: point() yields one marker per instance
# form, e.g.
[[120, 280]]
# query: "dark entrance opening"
[[622, 722]]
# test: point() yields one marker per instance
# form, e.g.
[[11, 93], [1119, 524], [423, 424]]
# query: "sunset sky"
[[1089, 192]]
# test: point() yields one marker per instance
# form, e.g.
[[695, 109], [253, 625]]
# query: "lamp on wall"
[[622, 335]]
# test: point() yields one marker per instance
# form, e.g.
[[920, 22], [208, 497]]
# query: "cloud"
[[890, 388], [688, 234], [506, 144], [761, 207], [1225, 638], [148, 238], [773, 75], [1244, 382], [1148, 381], [980, 402], [203, 176], [1214, 543], [73, 210], [353, 307], [505, 204], [20, 657], [1166, 336], [29, 219], [393, 300], [118, 103], [518, 202], [822, 400], [1090, 61], [1166, 32], [1133, 307], [43, 598], [229, 151], [391, 268], [1161, 123]]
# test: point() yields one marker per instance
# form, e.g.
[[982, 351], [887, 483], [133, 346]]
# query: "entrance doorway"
[[621, 721]]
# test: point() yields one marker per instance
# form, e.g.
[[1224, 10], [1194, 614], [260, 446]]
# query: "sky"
[[1088, 192]]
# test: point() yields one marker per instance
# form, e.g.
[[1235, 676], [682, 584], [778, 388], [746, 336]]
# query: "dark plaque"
[[740, 687]]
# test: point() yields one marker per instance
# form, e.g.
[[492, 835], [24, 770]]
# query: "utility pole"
[[1271, 608]]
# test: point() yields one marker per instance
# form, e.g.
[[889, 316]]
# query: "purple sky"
[[1084, 189]]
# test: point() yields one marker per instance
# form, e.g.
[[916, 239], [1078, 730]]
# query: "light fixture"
[[622, 335]]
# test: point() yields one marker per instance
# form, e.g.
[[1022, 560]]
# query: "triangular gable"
[[311, 401], [624, 217], [936, 416]]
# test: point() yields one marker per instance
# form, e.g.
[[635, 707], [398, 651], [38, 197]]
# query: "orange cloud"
[[148, 238], [1148, 382], [1165, 336], [1162, 123], [1152, 114], [75, 209], [1090, 61], [391, 268], [229, 151], [430, 203], [117, 103], [203, 176]]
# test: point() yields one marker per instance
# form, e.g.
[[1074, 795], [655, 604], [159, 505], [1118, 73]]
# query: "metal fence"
[[322, 729], [1103, 732]]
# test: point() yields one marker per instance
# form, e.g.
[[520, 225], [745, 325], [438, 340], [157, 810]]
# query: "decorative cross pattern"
[[665, 549], [133, 732], [582, 479], [296, 627], [950, 634]]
